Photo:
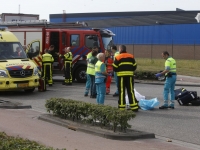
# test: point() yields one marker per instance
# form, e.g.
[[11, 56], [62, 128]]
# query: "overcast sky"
[[46, 7]]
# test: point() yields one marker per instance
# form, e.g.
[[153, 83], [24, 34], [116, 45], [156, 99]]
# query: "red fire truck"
[[39, 35]]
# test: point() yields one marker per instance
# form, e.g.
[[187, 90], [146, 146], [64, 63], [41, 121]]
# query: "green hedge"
[[108, 116], [16, 143], [142, 75]]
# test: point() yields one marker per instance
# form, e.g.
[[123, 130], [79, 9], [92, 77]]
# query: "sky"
[[46, 7]]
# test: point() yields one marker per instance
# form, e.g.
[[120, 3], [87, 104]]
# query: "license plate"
[[22, 85]]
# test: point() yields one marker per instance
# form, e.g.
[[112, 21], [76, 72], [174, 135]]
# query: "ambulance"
[[17, 71]]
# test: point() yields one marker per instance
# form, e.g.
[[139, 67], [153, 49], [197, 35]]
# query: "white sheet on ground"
[[138, 96]]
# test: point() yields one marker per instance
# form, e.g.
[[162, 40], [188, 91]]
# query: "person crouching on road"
[[67, 66], [100, 77], [109, 70], [47, 61], [91, 71], [125, 65], [170, 73]]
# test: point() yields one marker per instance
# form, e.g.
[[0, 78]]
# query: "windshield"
[[11, 50], [107, 42], [91, 41]]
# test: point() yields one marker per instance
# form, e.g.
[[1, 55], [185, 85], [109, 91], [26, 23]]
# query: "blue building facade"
[[147, 33], [158, 34], [186, 31]]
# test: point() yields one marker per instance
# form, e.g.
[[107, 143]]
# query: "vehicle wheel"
[[29, 90], [80, 74]]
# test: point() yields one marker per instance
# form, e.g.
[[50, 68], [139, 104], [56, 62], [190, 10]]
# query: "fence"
[[152, 51]]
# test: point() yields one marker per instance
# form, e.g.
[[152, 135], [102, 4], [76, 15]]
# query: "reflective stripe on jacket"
[[98, 73], [68, 56], [47, 58], [116, 53], [91, 65], [89, 55], [170, 64], [124, 64]]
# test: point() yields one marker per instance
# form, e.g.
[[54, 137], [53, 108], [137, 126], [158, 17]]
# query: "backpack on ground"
[[185, 97]]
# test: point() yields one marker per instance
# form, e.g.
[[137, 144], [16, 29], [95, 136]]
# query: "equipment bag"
[[186, 98], [195, 102], [194, 93], [179, 92]]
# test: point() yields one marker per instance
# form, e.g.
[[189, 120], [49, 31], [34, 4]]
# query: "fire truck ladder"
[[43, 23]]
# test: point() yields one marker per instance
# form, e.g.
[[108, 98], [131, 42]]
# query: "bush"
[[147, 75], [87, 112], [16, 143]]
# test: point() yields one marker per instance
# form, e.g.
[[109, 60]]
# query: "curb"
[[177, 84], [154, 83], [16, 107], [129, 135], [10, 105]]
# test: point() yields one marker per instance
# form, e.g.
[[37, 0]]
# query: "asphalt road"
[[182, 123]]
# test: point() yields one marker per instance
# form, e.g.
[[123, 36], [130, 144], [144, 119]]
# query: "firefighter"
[[115, 53], [109, 70], [51, 50], [124, 65], [47, 61], [67, 57]]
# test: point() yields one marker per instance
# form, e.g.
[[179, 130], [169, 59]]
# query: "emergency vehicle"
[[39, 35], [17, 71]]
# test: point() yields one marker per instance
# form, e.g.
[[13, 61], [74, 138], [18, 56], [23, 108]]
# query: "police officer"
[[115, 53], [125, 65], [88, 79], [47, 61], [67, 66], [170, 73], [91, 71]]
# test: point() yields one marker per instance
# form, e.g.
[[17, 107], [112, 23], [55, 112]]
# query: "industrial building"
[[147, 34]]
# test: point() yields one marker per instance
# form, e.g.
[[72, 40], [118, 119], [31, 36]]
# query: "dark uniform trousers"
[[126, 82], [68, 71], [47, 72]]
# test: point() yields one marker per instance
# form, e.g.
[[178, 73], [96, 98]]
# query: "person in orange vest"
[[109, 70]]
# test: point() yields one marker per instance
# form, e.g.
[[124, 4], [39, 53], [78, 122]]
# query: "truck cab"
[[81, 43], [17, 71]]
